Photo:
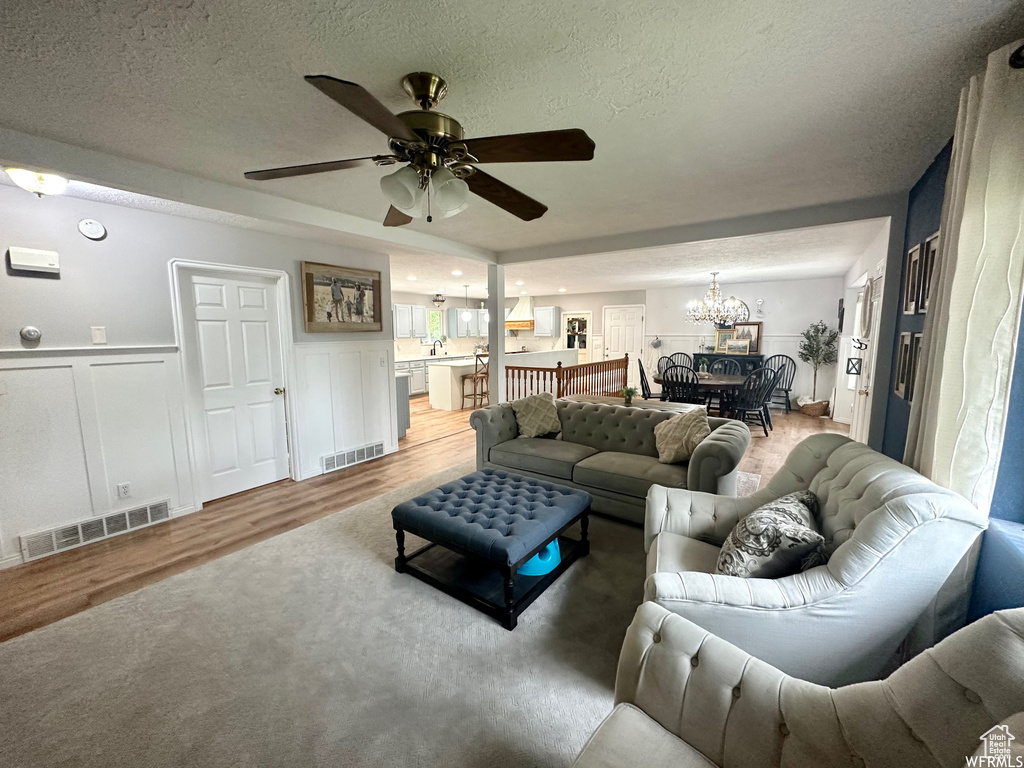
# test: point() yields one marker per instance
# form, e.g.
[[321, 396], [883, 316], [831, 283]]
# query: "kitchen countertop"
[[455, 363]]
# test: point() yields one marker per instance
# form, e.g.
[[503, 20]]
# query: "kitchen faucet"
[[433, 347]]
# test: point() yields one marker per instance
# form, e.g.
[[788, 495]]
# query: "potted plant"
[[629, 393], [819, 347]]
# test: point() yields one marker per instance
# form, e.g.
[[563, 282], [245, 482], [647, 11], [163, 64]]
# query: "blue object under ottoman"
[[483, 527]]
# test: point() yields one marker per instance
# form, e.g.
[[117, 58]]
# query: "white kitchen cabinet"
[[481, 323], [462, 328], [418, 381], [545, 321], [419, 322], [403, 321]]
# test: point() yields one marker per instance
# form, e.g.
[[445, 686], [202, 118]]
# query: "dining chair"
[[722, 366], [726, 367], [645, 387], [786, 367], [681, 358], [749, 403], [681, 385], [663, 362]]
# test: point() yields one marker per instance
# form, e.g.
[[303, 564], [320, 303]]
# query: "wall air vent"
[[72, 535], [342, 459]]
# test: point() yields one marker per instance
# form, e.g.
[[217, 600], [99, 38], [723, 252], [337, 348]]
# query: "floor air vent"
[[43, 543], [333, 461]]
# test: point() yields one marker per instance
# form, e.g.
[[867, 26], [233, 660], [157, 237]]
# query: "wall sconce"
[[760, 307], [38, 183]]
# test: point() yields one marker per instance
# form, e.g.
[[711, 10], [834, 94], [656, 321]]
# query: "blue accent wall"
[[924, 215], [1008, 497]]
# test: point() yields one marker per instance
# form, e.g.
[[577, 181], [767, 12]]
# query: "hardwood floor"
[[39, 593]]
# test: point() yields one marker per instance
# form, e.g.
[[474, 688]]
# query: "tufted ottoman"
[[482, 528]]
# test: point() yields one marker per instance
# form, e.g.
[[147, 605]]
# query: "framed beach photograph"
[[750, 332], [722, 336], [737, 347], [340, 299]]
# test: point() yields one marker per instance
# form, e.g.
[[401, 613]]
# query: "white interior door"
[[868, 317], [234, 369], [624, 334]]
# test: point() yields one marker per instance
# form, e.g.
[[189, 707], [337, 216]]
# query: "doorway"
[[234, 332], [867, 319], [623, 330]]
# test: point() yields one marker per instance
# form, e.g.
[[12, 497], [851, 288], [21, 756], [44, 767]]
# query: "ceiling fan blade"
[[361, 103], [504, 196], [540, 147], [396, 218], [304, 170]]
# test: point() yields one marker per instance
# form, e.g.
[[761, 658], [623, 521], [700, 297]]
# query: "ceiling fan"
[[440, 165]]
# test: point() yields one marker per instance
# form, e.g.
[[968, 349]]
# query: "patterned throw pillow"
[[676, 438], [537, 415], [776, 539]]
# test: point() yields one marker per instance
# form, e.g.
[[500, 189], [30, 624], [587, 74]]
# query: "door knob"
[[278, 391], [862, 392]]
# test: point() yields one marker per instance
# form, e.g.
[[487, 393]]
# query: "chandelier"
[[713, 309]]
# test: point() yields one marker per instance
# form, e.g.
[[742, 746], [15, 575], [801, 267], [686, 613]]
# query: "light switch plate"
[[99, 334]]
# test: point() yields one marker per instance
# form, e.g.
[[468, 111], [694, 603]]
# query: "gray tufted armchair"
[[688, 699], [895, 538]]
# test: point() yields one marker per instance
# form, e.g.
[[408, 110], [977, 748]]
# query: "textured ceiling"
[[700, 110], [796, 254]]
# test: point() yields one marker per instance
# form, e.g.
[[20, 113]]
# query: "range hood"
[[521, 316]]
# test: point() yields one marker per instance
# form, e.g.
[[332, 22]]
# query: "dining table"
[[716, 382]]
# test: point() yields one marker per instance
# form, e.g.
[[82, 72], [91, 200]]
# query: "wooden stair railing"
[[605, 377]]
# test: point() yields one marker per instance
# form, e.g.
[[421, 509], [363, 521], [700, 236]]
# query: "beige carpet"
[[309, 650]]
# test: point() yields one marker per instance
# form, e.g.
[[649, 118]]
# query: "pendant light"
[[466, 314]]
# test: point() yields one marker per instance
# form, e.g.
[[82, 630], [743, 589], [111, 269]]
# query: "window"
[[435, 325]]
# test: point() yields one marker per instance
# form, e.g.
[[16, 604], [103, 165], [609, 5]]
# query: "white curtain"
[[960, 402]]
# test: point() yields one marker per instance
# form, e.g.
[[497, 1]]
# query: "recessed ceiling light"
[[519, 282], [561, 290], [411, 277], [457, 272], [441, 290], [522, 293]]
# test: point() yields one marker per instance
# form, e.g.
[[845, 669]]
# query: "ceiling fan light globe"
[[449, 192], [456, 211], [402, 189]]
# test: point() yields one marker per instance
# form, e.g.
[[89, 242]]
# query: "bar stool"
[[480, 395]]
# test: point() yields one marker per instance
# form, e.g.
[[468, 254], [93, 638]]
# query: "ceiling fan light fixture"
[[402, 189], [448, 191], [37, 183], [456, 211]]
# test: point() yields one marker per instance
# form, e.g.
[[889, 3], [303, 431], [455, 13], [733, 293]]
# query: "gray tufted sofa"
[[895, 539], [686, 698], [609, 452]]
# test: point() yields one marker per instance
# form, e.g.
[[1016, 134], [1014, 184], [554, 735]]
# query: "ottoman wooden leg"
[[510, 620], [400, 560]]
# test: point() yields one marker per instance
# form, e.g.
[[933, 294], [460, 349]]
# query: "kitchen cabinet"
[[403, 321], [481, 323], [419, 322], [418, 381], [462, 329], [545, 321]]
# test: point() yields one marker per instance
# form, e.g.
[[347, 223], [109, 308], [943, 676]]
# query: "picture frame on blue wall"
[[915, 359], [904, 365], [912, 281], [928, 256]]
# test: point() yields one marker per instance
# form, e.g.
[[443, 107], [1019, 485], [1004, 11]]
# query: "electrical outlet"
[[124, 490]]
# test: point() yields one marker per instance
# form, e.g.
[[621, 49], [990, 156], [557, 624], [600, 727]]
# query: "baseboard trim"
[[10, 561], [186, 510]]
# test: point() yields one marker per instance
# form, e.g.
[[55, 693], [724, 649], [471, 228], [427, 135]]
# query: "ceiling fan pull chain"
[[429, 217]]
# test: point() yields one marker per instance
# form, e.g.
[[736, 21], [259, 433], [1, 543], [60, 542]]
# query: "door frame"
[[590, 328], [178, 269]]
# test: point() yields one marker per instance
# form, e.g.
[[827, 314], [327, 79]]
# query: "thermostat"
[[34, 260]]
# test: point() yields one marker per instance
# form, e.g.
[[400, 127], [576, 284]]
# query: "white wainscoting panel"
[[73, 426], [347, 399]]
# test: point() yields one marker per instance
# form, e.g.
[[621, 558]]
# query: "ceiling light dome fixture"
[[438, 299], [713, 309], [38, 183]]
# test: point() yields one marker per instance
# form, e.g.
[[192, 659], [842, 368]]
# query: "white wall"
[[789, 307], [75, 419]]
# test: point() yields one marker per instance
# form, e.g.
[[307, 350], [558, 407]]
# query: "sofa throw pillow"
[[676, 438], [537, 415], [776, 539]]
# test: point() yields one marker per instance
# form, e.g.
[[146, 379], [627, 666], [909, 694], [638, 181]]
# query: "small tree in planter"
[[819, 347]]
